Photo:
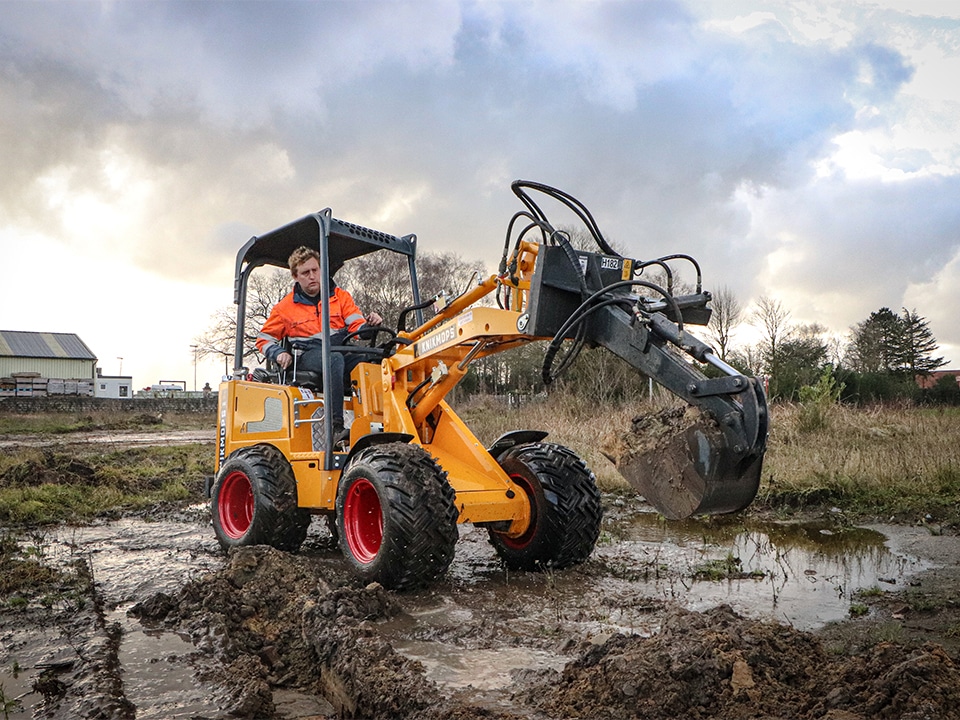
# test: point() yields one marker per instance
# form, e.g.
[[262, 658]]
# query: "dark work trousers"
[[341, 365]]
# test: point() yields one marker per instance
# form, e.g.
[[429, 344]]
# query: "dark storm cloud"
[[418, 116]]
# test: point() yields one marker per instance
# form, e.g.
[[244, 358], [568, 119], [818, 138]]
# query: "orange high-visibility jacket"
[[298, 315]]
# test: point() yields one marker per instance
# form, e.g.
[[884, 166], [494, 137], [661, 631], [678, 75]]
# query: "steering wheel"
[[372, 331]]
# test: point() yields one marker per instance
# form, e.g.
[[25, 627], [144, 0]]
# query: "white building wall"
[[113, 387]]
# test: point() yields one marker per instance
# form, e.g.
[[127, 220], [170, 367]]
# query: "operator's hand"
[[284, 359], [373, 318]]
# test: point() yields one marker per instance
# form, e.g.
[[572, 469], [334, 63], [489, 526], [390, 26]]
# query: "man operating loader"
[[298, 317]]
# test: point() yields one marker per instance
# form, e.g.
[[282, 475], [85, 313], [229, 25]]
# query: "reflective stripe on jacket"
[[298, 316]]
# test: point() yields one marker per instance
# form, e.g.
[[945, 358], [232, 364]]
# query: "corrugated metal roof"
[[19, 343]]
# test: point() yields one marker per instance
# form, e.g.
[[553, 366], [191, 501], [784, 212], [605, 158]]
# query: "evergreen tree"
[[894, 344], [917, 345]]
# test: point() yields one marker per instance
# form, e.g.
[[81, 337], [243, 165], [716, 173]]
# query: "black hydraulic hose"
[[560, 238], [506, 242], [548, 374], [578, 316], [692, 260], [640, 267], [402, 320], [414, 392], [577, 207]]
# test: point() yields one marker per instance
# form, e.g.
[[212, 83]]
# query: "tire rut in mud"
[[270, 621]]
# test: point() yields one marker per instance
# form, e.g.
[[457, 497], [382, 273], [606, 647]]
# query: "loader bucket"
[[683, 464]]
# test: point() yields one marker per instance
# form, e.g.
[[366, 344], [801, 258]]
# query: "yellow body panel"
[[403, 394]]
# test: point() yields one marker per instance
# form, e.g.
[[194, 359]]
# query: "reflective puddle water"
[[131, 559], [804, 575], [481, 625]]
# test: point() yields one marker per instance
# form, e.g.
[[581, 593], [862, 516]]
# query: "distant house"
[[930, 380], [49, 355]]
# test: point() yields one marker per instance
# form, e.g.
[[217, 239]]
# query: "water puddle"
[[131, 559], [481, 625], [804, 575], [157, 676]]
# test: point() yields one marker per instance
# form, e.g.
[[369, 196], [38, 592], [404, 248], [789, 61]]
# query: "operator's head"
[[305, 268]]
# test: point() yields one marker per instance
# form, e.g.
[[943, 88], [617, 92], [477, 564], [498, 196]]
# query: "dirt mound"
[[273, 620], [719, 665], [46, 466]]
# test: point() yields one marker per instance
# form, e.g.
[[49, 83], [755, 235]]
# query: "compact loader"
[[411, 470]]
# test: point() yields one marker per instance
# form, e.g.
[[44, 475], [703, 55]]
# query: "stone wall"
[[78, 404]]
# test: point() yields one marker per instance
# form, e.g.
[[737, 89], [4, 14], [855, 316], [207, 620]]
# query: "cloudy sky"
[[807, 151]]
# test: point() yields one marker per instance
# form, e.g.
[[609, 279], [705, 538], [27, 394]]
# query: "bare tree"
[[381, 281], [727, 315], [267, 287], [774, 320], [378, 281]]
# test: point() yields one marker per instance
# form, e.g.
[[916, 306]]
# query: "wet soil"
[[146, 618], [733, 617]]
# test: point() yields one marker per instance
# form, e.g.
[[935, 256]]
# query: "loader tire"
[[254, 501], [396, 516], [565, 509]]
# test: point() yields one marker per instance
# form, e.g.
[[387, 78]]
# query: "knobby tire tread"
[[568, 523], [420, 533], [278, 520]]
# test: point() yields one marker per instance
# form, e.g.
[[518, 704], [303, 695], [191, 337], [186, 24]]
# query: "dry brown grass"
[[902, 462], [576, 424], [898, 461]]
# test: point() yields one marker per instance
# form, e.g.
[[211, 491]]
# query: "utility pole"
[[194, 348]]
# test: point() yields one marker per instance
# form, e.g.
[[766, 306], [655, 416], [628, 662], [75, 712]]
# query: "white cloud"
[[805, 149]]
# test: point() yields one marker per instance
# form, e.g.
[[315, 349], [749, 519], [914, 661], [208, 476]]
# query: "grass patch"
[[729, 567], [22, 574], [858, 609], [43, 486], [895, 462], [901, 463], [54, 423]]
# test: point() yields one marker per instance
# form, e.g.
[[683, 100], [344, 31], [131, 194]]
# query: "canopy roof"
[[345, 241]]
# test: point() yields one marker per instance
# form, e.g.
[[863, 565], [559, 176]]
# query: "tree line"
[[879, 360]]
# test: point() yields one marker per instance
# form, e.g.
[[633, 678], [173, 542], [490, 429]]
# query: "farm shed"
[[45, 355]]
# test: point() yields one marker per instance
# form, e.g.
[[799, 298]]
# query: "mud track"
[[146, 618]]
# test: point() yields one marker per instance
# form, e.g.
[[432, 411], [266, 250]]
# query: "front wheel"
[[565, 509], [254, 501], [396, 516]]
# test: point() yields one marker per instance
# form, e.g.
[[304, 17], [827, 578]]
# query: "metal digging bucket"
[[683, 463]]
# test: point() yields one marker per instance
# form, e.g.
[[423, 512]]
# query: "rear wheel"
[[254, 501], [396, 516], [565, 509]]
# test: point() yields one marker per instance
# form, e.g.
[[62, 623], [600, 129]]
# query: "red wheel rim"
[[235, 504], [363, 520], [521, 541]]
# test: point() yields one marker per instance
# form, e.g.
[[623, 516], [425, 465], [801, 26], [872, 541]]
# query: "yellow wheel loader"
[[412, 470]]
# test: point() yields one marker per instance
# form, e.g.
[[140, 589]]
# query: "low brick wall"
[[78, 404]]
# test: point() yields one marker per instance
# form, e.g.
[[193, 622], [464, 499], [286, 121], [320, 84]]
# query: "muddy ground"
[[143, 617]]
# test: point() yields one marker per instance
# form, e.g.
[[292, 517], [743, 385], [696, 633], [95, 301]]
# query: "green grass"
[[52, 423], [42, 486]]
